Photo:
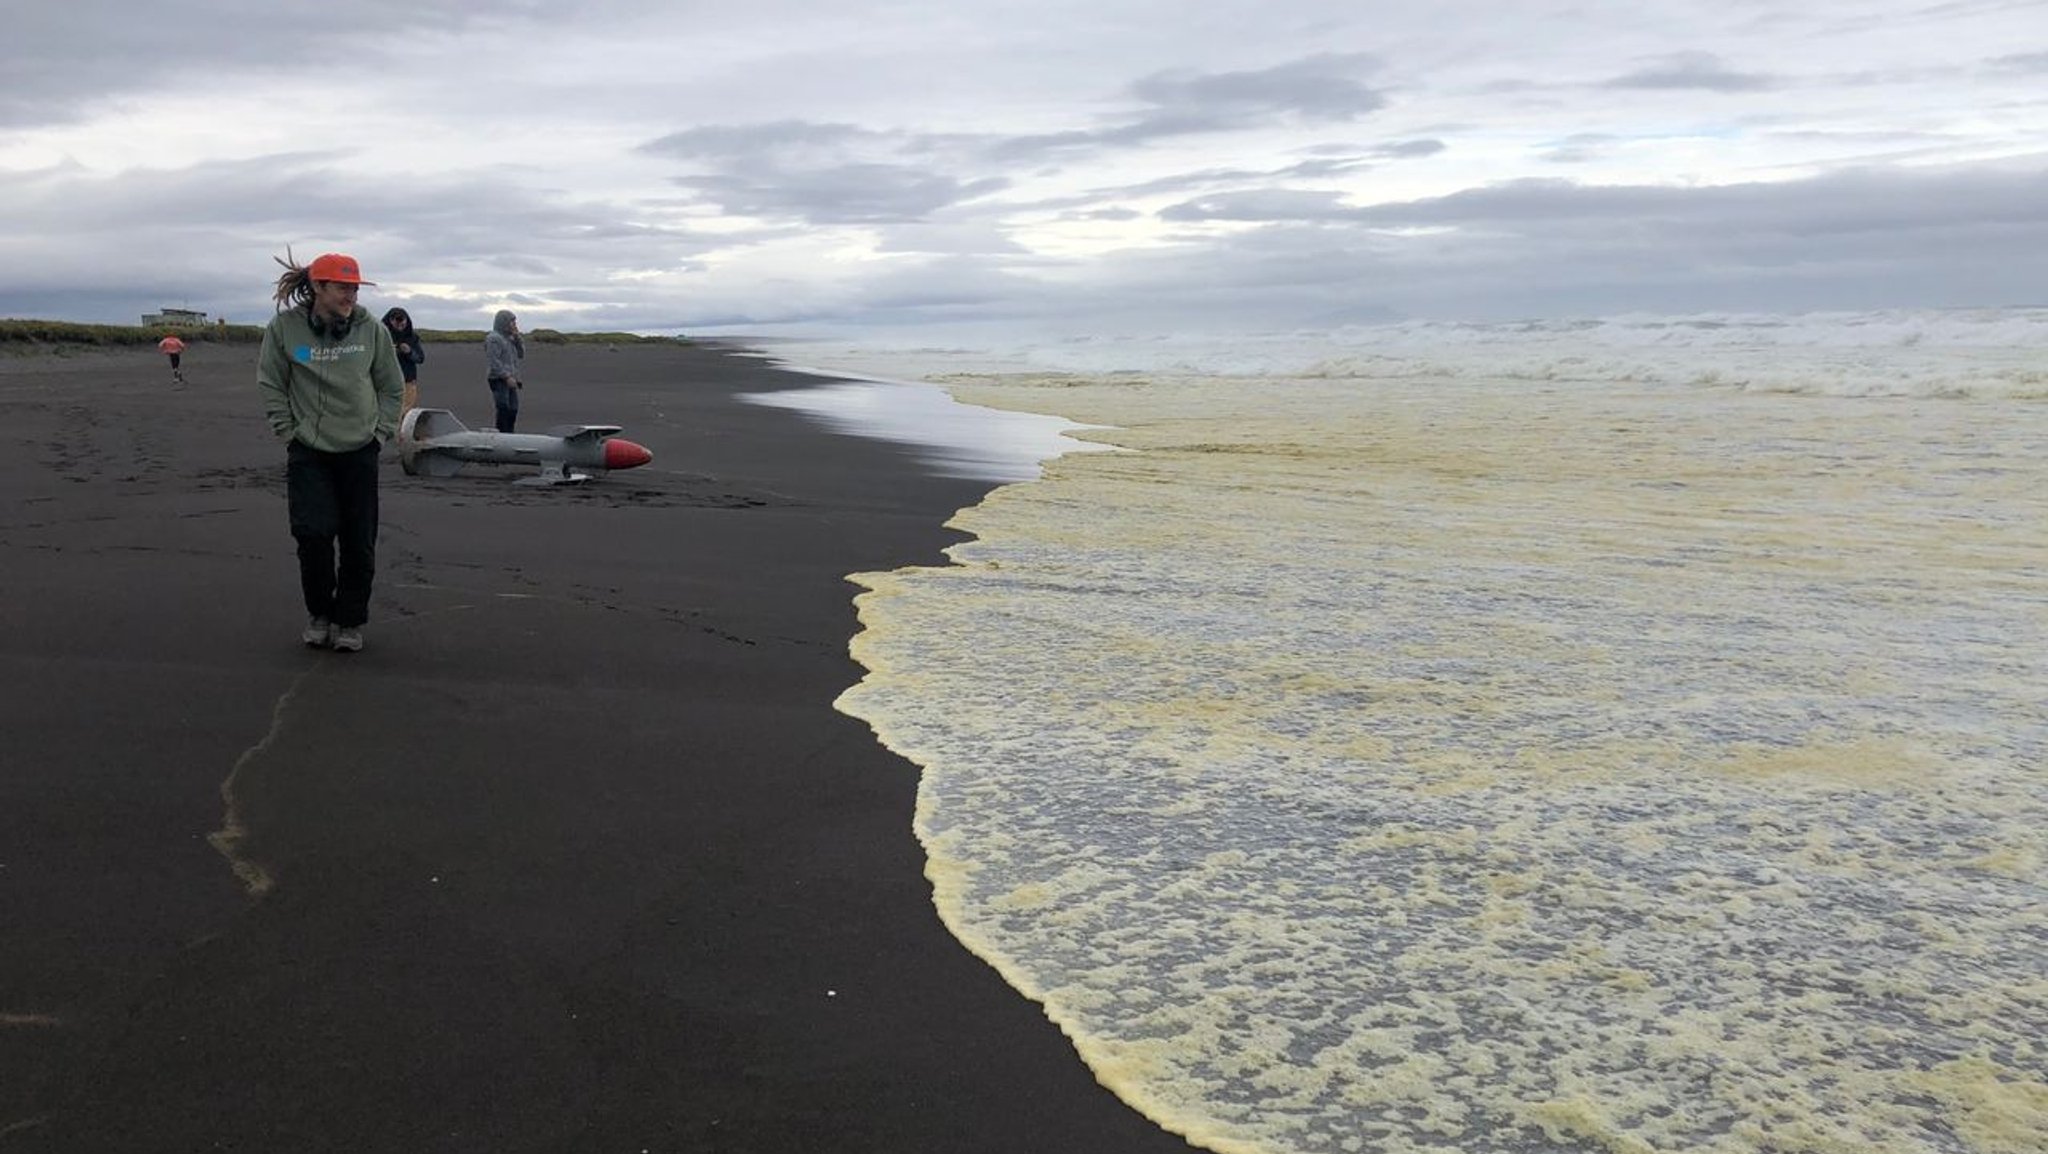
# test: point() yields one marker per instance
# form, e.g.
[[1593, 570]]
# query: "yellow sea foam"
[[1503, 765]]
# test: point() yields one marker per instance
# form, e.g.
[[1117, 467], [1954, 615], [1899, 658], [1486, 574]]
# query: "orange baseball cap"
[[337, 267]]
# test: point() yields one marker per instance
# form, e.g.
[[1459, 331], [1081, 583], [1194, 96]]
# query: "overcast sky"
[[1055, 165]]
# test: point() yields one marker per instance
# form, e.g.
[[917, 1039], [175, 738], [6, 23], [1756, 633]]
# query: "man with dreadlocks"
[[331, 389]]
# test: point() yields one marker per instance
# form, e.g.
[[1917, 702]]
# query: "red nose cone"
[[620, 454]]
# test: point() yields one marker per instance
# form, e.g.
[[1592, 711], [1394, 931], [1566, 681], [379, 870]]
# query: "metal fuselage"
[[433, 443]]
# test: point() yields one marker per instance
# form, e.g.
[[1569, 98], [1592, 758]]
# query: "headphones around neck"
[[339, 328]]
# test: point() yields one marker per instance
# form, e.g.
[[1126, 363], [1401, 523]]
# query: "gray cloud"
[[1325, 87], [949, 239], [745, 141], [976, 159], [821, 173], [62, 60], [839, 194], [1265, 204], [1891, 201], [2023, 64], [1579, 148], [1520, 250], [1410, 149], [1692, 70], [203, 236], [837, 173], [1876, 238], [1894, 205]]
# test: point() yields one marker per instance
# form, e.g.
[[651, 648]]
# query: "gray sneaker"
[[319, 633], [348, 639]]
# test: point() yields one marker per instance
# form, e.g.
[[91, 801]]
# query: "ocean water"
[[1622, 736]]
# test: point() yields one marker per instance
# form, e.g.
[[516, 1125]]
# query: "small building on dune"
[[174, 319]]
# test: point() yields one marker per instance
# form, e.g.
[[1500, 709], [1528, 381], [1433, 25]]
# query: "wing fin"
[[578, 432]]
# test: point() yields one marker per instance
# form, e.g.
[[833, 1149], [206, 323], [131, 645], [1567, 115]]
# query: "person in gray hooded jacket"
[[504, 351]]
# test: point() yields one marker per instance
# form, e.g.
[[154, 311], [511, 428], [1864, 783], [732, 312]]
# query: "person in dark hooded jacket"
[[412, 353]]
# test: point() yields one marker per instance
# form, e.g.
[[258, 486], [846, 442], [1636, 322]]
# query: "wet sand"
[[575, 856]]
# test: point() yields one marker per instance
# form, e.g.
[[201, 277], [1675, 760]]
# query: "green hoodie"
[[333, 392]]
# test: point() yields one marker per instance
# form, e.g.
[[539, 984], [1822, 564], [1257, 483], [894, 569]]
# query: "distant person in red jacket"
[[172, 347]]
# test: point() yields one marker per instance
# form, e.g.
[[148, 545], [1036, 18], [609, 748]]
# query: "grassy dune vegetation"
[[27, 336]]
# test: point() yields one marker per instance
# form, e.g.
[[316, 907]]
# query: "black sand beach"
[[575, 856]]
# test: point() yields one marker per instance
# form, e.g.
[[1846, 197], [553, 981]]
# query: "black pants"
[[334, 505], [505, 400]]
